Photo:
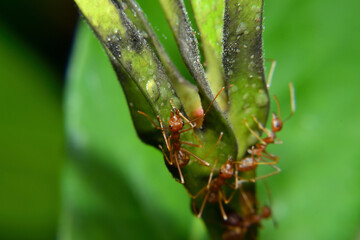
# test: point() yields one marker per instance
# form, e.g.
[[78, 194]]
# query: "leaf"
[[113, 185], [244, 68], [138, 61], [185, 36], [31, 144], [209, 16], [135, 63], [185, 90]]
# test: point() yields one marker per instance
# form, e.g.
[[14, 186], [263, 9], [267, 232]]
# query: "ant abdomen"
[[247, 164], [226, 171], [183, 158]]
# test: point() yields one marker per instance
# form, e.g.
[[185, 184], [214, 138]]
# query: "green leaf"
[[137, 67], [209, 16], [178, 20], [186, 91], [244, 68], [31, 143], [114, 187]]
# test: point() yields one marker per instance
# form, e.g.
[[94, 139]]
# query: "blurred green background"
[[115, 187]]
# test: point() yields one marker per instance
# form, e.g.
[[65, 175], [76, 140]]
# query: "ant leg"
[[195, 136], [203, 204], [253, 133], [255, 162], [274, 159], [164, 135], [278, 106], [179, 169], [223, 213], [236, 177], [195, 145], [271, 72], [277, 170], [292, 96], [267, 131], [246, 199], [189, 143], [148, 117], [207, 110], [292, 101], [196, 157], [207, 187], [227, 200], [192, 127], [167, 159], [185, 130]]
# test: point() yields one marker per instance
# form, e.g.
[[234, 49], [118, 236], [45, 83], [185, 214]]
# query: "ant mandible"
[[178, 154]]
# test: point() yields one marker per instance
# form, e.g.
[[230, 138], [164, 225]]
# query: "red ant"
[[250, 163], [178, 154], [214, 191], [237, 226]]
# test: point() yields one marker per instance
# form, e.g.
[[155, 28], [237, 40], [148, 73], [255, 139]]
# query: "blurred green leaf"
[[31, 143]]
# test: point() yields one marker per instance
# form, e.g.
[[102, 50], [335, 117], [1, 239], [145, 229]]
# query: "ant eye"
[[170, 126]]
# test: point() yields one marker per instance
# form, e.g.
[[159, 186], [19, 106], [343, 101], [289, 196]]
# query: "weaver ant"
[[238, 226], [259, 150], [214, 191], [178, 154]]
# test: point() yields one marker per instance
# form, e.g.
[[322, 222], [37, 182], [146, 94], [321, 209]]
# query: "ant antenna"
[[213, 100], [217, 142], [150, 119], [292, 99], [172, 104], [278, 106], [271, 72]]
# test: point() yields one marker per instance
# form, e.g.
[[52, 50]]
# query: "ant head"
[[266, 212], [227, 170], [175, 123], [276, 123]]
